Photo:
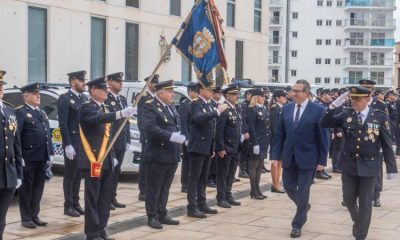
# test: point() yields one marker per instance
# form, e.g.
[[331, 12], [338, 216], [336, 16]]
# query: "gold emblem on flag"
[[202, 43]]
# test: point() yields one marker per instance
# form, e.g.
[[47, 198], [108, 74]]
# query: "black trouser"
[[212, 172], [198, 177], [379, 180], [226, 169], [119, 155], [393, 129], [244, 157], [142, 173], [159, 177], [361, 188], [185, 168], [97, 203], [72, 180], [337, 146], [398, 137], [6, 196], [31, 191]]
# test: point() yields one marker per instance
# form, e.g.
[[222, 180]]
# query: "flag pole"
[[112, 142]]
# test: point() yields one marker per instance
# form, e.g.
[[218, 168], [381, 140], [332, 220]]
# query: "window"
[[337, 61], [377, 58], [294, 53], [328, 42], [295, 15], [175, 7], [186, 70], [339, 3], [329, 3], [98, 48], [319, 41], [257, 15], [293, 73], [132, 52], [328, 22], [338, 42], [275, 75], [318, 61], [319, 22], [317, 80], [378, 77], [338, 23], [37, 45], [230, 19], [132, 3], [337, 80], [320, 3], [356, 39], [355, 76], [399, 58], [327, 80], [294, 34], [239, 59], [327, 61], [357, 58]]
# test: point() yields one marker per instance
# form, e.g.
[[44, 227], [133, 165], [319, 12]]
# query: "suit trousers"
[[226, 169], [212, 171], [185, 167], [97, 203], [119, 155], [142, 172], [6, 196], [198, 177], [31, 191], [361, 188], [297, 183], [157, 188], [72, 181], [379, 180], [337, 146]]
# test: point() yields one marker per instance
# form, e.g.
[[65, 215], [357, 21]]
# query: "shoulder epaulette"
[[379, 110], [20, 106], [149, 101], [273, 106], [9, 104]]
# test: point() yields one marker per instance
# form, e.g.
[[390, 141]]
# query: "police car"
[[49, 96]]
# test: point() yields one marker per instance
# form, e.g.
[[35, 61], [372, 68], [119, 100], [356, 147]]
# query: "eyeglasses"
[[296, 91]]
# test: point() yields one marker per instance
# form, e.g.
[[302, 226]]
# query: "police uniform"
[[212, 173], [160, 123], [68, 107], [365, 134], [398, 126], [392, 112], [244, 146], [116, 102], [10, 158], [227, 138], [142, 171], [35, 135]]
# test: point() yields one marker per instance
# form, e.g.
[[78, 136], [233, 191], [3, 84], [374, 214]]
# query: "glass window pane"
[[175, 7], [132, 52], [98, 48], [239, 60], [257, 21], [186, 71], [257, 4], [230, 19], [132, 3], [37, 45]]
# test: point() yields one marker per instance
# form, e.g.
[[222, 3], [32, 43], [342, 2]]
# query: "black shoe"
[[296, 232], [183, 190], [154, 223], [377, 203], [168, 220], [243, 175], [236, 180], [326, 174], [80, 210], [38, 222], [112, 207], [117, 204], [336, 171], [196, 213], [257, 197], [208, 210], [223, 204], [309, 207], [321, 175], [71, 212], [233, 202], [142, 197], [274, 190], [28, 224], [354, 229], [211, 184], [343, 204]]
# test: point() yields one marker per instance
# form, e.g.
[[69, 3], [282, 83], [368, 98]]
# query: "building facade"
[[397, 65], [43, 40]]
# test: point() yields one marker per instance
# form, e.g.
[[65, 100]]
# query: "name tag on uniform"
[[95, 169]]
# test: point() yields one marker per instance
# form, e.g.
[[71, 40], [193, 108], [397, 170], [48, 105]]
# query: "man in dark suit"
[[200, 150], [184, 113], [212, 173], [142, 171], [303, 148], [244, 148], [68, 107], [98, 169], [117, 102], [37, 152], [161, 124], [10, 157], [366, 132]]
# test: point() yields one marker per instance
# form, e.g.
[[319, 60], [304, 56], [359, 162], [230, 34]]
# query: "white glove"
[[339, 101], [19, 183], [391, 176], [128, 112], [128, 147], [115, 162], [256, 150], [51, 161], [177, 137], [186, 143], [242, 138], [70, 152]]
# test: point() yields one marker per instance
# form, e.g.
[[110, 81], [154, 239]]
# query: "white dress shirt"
[[364, 114]]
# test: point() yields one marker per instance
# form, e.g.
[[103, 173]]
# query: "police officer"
[[10, 157], [184, 113], [68, 107], [391, 98], [162, 127], [95, 123], [366, 131], [150, 91], [244, 148], [398, 124], [200, 148], [37, 152], [117, 102], [227, 146]]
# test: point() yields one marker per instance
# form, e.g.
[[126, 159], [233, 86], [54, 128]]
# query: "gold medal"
[[72, 101], [113, 103], [349, 119], [371, 136], [11, 127], [370, 130], [29, 115]]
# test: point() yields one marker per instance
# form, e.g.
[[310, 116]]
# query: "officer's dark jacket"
[[184, 113], [93, 124], [202, 127], [258, 120], [360, 156], [392, 111], [140, 106], [68, 106], [158, 125], [228, 132], [378, 105], [125, 136], [10, 150], [35, 134], [243, 107], [275, 112]]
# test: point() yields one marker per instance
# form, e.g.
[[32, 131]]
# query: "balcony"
[[388, 4], [276, 3], [354, 43], [275, 78], [275, 21], [381, 62], [275, 60], [382, 42], [356, 62], [353, 23], [275, 41], [379, 81], [376, 63]]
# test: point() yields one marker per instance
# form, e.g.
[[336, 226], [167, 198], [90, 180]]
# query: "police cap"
[[2, 73], [30, 88], [359, 91], [231, 89], [115, 77], [79, 75], [98, 83], [165, 85]]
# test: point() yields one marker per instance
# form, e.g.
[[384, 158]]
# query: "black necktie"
[[103, 109], [360, 115], [297, 117]]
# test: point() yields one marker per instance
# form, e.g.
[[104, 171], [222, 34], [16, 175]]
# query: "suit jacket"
[[258, 120], [360, 155], [158, 125], [228, 131], [35, 134], [125, 137], [306, 142], [184, 113], [93, 124], [140, 106], [10, 150]]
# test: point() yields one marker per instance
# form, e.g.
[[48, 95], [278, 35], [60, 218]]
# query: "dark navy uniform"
[[392, 111], [244, 148], [184, 113], [398, 128], [10, 158], [212, 172], [68, 107], [35, 135], [360, 158]]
